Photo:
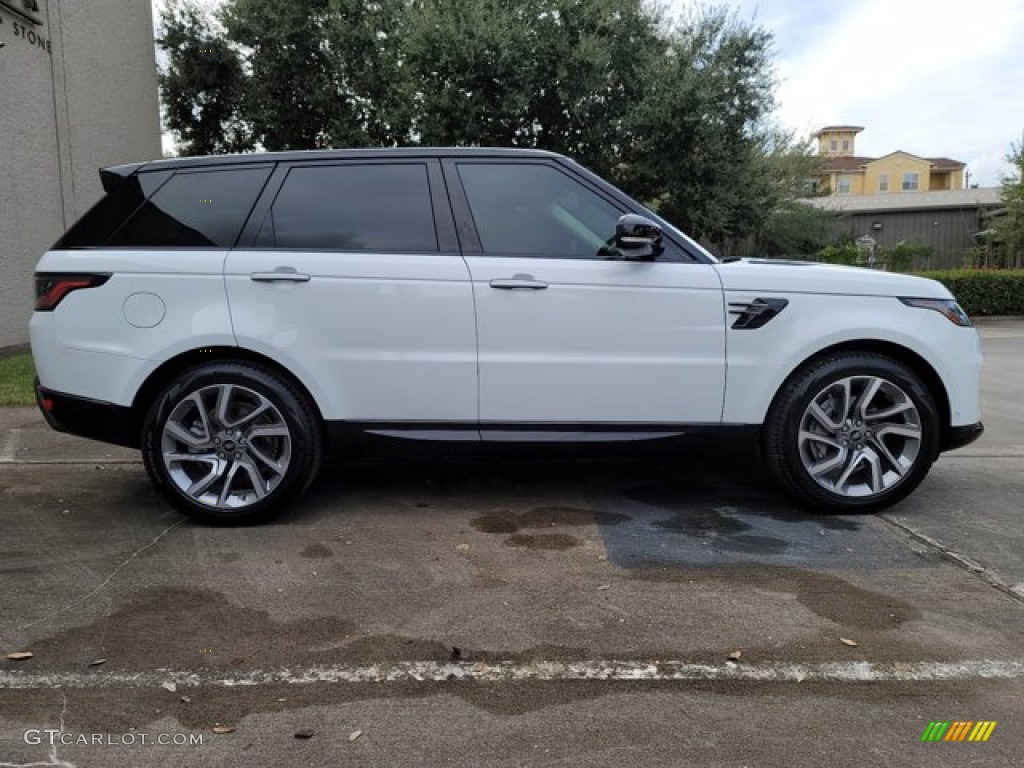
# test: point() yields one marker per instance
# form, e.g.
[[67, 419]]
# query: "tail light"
[[51, 288]]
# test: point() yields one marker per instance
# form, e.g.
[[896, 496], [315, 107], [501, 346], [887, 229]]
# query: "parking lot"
[[569, 612]]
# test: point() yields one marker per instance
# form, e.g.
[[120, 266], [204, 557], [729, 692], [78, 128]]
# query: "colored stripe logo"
[[958, 730]]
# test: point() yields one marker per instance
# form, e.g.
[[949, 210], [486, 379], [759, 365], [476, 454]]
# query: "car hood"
[[777, 276]]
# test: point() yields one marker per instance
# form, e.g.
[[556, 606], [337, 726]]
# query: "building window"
[[883, 182], [846, 145], [844, 185], [834, 145], [911, 182]]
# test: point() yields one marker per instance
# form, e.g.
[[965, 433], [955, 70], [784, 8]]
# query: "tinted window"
[[353, 208], [113, 210], [203, 208], [536, 210]]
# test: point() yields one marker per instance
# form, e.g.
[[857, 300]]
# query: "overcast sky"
[[932, 77]]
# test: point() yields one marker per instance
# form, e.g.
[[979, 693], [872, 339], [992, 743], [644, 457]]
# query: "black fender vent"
[[754, 314]]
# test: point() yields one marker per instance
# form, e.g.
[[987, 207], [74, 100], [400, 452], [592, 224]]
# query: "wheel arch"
[[169, 369], [892, 350]]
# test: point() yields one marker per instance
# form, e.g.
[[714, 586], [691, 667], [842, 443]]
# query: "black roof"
[[322, 154]]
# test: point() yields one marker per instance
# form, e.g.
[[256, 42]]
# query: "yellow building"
[[846, 173]]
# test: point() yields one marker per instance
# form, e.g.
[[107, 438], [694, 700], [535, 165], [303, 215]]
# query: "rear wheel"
[[855, 432], [231, 443]]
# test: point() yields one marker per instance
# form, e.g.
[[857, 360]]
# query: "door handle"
[[519, 283], [279, 275]]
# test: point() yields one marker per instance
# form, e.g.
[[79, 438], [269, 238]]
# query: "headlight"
[[947, 307]]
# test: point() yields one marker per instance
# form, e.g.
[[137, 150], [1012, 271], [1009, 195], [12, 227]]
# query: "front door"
[[571, 334]]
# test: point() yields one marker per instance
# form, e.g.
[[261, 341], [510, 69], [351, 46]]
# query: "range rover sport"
[[235, 317]]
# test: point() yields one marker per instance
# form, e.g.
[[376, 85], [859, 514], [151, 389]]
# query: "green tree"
[[706, 154], [202, 83], [794, 228], [679, 116], [1009, 225]]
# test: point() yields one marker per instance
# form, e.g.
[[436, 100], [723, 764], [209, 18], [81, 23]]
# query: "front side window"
[[523, 209], [195, 209], [834, 145], [844, 185], [846, 145], [883, 182], [371, 207], [911, 182]]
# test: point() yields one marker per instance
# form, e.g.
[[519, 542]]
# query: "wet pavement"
[[488, 612]]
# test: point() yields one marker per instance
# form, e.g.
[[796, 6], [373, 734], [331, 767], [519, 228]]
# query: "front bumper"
[[93, 419], [958, 437]]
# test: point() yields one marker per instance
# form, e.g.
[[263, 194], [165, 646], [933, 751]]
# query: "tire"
[[232, 443], [852, 432]]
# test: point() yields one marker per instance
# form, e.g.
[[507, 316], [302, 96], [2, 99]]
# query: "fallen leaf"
[[847, 641], [602, 587], [20, 655], [169, 687], [462, 547], [222, 729], [479, 668], [354, 735], [186, 700], [305, 733], [800, 676], [735, 655], [97, 662]]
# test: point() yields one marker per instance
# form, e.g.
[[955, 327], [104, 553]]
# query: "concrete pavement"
[[514, 613]]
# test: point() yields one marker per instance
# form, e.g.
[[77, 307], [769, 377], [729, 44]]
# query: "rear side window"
[[103, 219], [371, 207], [195, 209]]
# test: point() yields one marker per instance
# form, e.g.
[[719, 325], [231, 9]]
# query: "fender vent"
[[754, 314]]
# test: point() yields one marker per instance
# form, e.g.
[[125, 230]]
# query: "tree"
[[679, 116], [1009, 225], [794, 228], [202, 84], [707, 154]]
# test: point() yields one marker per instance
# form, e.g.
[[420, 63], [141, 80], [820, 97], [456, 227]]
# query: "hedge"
[[984, 291]]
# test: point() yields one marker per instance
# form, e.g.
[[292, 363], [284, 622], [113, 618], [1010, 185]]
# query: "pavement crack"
[[103, 584], [980, 570], [54, 761]]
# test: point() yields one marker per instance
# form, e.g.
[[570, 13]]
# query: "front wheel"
[[231, 443], [855, 432]]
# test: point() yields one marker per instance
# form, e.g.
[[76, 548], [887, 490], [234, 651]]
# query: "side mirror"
[[637, 237]]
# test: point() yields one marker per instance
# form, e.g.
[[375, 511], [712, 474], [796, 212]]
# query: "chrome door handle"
[[519, 282], [279, 275]]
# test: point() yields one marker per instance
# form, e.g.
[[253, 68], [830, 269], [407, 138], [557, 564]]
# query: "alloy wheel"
[[226, 446], [860, 436]]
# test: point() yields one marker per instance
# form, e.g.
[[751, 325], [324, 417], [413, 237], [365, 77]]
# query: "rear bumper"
[[958, 437], [93, 419]]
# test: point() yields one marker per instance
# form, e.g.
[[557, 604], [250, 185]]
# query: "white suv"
[[238, 317]]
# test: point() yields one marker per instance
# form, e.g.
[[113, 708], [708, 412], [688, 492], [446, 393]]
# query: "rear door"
[[349, 274], [570, 334]]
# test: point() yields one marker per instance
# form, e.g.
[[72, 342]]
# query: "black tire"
[[786, 448], [246, 384]]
